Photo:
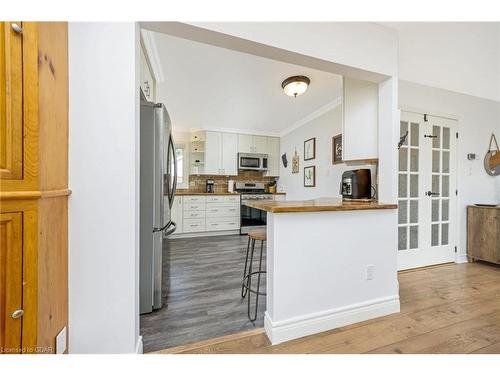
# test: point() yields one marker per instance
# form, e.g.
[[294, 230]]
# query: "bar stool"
[[246, 286]]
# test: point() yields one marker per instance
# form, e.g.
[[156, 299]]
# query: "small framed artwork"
[[295, 162], [310, 176], [310, 149], [337, 149]]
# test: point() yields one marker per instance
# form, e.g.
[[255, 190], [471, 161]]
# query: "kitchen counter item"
[[188, 192], [316, 205]]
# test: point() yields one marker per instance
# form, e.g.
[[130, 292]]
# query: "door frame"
[[459, 257]]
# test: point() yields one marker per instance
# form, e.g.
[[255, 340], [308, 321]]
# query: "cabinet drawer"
[[222, 211], [194, 225], [215, 199], [194, 215], [232, 199], [193, 199], [194, 206], [214, 224]]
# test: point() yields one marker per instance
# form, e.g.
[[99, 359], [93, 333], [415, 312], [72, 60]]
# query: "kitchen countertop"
[[316, 205], [181, 192]]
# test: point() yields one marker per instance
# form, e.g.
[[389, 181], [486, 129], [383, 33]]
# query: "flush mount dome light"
[[296, 85]]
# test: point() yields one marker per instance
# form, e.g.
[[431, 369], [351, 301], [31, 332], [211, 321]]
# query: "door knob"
[[431, 194], [17, 314], [17, 29]]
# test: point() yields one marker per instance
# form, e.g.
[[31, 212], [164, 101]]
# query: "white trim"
[[152, 55], [461, 258], [311, 116], [305, 325], [139, 347], [204, 234], [234, 130]]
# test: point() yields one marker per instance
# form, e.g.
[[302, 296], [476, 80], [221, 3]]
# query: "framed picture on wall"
[[310, 149], [337, 149], [310, 176]]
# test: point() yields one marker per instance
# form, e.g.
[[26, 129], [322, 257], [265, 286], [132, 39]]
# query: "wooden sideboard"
[[483, 233], [33, 185]]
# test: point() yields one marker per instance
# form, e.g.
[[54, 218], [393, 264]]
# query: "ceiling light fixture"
[[296, 85]]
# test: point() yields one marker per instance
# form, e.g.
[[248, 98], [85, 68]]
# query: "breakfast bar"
[[330, 263]]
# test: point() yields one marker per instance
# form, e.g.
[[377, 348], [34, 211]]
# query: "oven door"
[[247, 161], [251, 218]]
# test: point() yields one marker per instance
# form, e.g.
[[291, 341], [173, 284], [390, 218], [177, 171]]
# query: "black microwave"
[[255, 162]]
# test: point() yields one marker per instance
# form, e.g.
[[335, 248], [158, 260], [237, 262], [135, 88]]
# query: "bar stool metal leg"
[[243, 289], [257, 294]]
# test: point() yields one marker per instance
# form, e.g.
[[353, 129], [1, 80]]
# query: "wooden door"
[[11, 103], [10, 281], [427, 191], [229, 154]]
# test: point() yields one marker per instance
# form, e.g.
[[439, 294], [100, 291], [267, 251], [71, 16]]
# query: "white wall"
[[328, 175], [362, 45], [458, 56], [104, 179], [477, 119]]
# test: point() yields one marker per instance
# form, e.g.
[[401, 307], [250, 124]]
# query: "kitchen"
[[222, 167]]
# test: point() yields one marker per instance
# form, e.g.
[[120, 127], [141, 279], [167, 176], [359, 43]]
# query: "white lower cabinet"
[[279, 197], [200, 213]]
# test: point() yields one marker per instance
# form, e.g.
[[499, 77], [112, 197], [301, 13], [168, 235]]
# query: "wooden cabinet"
[[483, 233], [273, 144], [252, 144], [229, 157], [213, 153], [34, 185], [360, 120], [11, 103], [11, 278], [176, 213]]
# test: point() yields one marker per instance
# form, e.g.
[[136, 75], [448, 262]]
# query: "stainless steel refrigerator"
[[158, 177]]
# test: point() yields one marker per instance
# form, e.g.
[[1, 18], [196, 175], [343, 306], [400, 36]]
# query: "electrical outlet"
[[370, 272], [61, 341]]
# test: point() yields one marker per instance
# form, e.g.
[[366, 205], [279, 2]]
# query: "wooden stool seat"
[[258, 234]]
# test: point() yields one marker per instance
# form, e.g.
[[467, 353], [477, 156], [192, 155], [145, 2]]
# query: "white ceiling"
[[210, 87]]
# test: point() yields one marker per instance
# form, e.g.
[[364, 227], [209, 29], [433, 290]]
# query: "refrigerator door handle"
[[171, 229], [163, 227], [171, 192]]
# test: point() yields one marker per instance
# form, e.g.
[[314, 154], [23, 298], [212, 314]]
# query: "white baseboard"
[[306, 325], [139, 348], [204, 234], [461, 258]]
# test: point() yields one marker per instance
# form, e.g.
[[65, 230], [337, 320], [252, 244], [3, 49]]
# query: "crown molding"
[[311, 116], [235, 130], [149, 43]]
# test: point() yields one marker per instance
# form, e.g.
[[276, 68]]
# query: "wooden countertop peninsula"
[[316, 205]]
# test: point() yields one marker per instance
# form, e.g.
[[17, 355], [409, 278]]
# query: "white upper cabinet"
[[360, 120], [221, 154], [273, 146], [256, 144], [213, 153], [229, 157], [147, 82]]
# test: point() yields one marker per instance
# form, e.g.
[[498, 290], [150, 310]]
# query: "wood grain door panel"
[[11, 103], [10, 281]]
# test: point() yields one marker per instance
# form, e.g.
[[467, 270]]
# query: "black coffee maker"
[[210, 186], [356, 184]]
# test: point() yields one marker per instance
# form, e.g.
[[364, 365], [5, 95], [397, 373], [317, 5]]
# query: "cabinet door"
[[177, 213], [245, 143], [260, 144], [11, 280], [360, 120], [11, 104], [213, 153], [273, 145], [229, 151], [147, 81]]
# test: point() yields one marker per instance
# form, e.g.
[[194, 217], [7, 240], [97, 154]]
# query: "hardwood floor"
[[449, 309], [204, 298]]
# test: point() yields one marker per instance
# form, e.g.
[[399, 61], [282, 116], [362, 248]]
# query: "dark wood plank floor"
[[204, 298], [448, 309]]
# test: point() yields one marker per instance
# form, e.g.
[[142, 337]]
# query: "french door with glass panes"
[[427, 191]]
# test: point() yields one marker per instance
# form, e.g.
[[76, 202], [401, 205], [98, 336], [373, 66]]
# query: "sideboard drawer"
[[194, 225], [194, 198]]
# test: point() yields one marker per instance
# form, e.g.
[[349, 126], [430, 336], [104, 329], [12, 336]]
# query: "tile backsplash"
[[197, 182]]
